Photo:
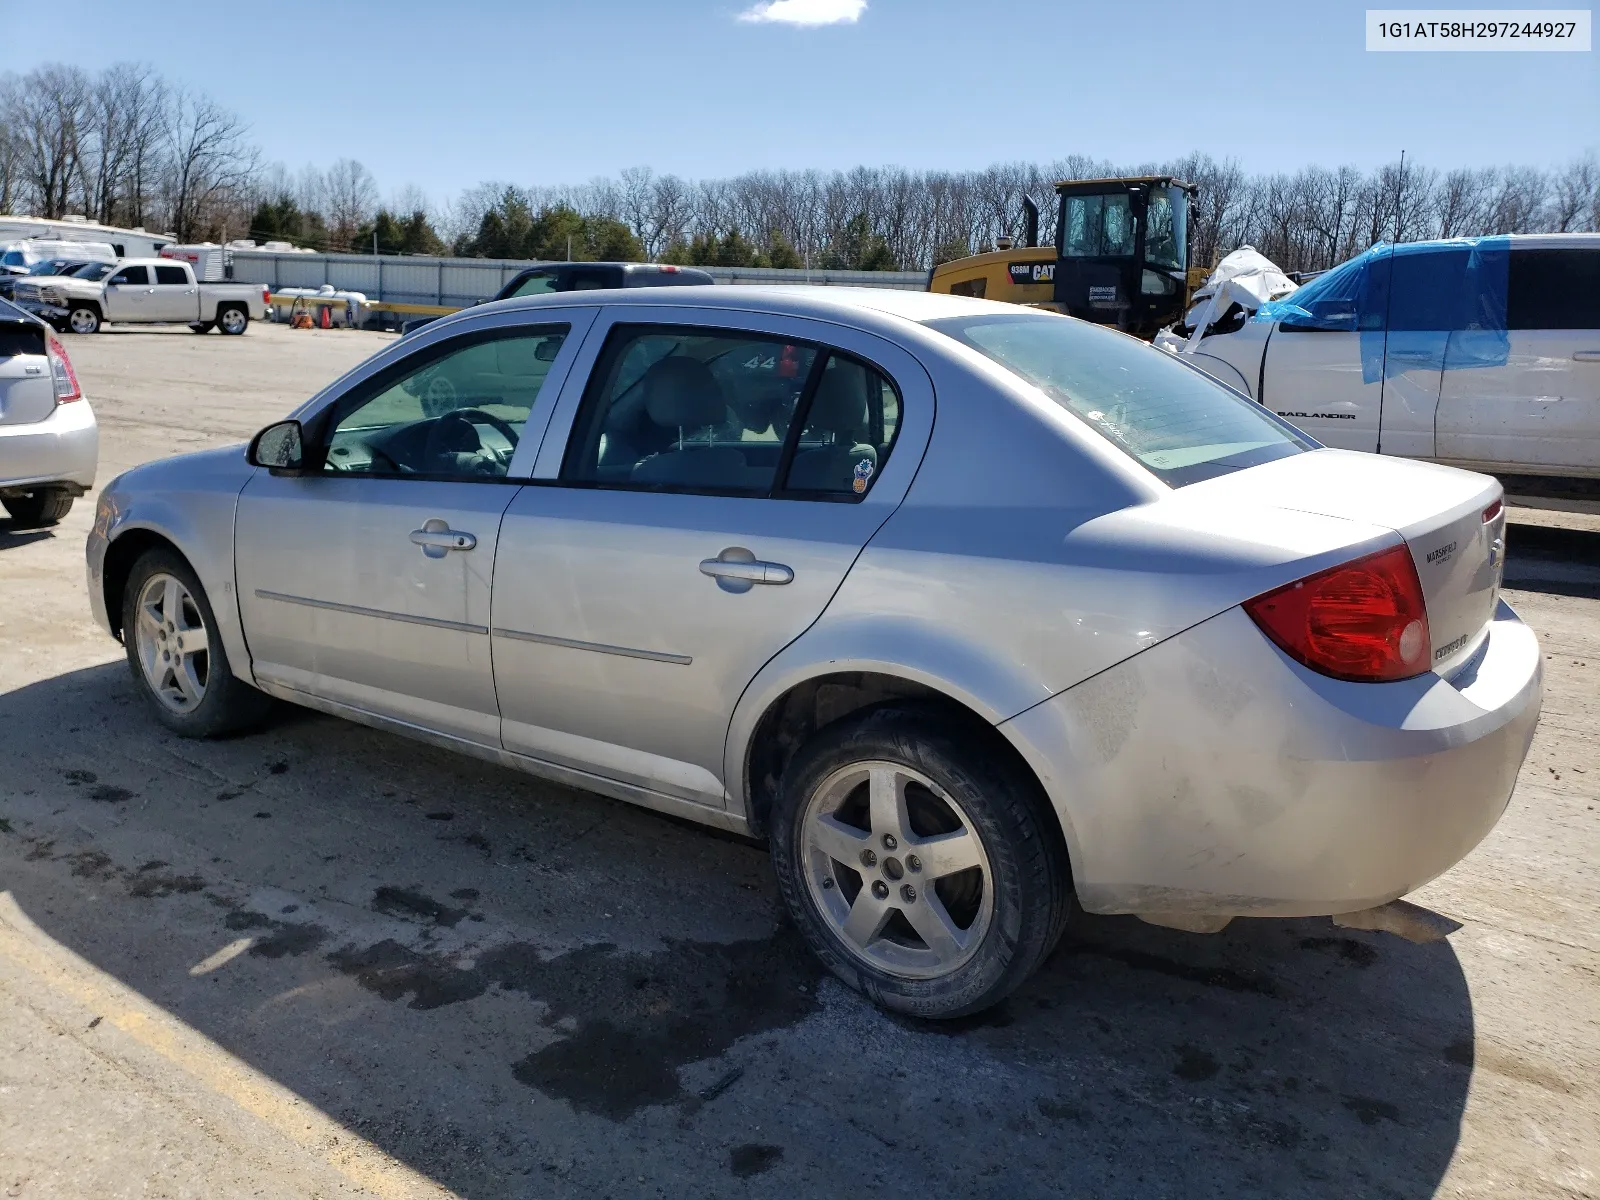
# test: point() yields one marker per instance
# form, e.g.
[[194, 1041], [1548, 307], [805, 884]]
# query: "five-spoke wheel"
[[176, 651], [920, 859], [896, 867], [172, 644]]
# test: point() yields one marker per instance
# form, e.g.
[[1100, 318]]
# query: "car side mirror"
[[279, 447]]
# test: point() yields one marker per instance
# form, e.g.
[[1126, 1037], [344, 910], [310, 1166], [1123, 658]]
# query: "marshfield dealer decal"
[[1035, 272]]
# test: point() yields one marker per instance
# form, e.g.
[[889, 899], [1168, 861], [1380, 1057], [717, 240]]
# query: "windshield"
[[1179, 423], [1166, 228], [94, 271], [1096, 227], [53, 266]]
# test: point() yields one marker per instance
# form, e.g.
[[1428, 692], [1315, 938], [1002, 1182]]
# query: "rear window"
[[20, 337], [1554, 288], [1180, 424]]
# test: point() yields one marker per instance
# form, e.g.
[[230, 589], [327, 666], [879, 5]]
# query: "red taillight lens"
[[1493, 511], [62, 375], [266, 296], [1364, 621]]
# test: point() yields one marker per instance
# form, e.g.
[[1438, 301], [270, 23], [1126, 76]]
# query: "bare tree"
[[351, 197], [210, 161], [1575, 195], [45, 114]]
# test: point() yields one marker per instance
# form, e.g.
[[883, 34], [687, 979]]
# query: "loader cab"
[[1122, 251]]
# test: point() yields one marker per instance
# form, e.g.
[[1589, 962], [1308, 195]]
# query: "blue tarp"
[[1421, 306]]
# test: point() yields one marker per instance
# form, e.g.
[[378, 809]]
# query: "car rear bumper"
[[64, 448], [1213, 775]]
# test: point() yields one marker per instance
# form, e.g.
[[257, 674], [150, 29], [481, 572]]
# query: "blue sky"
[[445, 95]]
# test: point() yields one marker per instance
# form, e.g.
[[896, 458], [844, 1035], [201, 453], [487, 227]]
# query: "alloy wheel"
[[232, 320], [173, 646], [897, 869]]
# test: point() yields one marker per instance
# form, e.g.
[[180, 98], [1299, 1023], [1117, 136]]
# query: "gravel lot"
[[323, 961]]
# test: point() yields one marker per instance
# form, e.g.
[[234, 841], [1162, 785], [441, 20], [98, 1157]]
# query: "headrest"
[[682, 393], [840, 405]]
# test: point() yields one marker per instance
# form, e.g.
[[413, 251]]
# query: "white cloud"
[[806, 12]]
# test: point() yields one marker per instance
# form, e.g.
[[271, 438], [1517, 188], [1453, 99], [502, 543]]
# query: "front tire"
[[176, 654], [232, 320], [84, 318], [44, 507], [920, 861]]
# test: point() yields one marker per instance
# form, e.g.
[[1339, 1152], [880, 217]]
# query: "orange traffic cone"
[[327, 321]]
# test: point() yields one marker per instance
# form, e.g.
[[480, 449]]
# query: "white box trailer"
[[127, 243], [209, 260]]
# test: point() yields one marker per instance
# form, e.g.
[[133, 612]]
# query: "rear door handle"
[[437, 538], [737, 570], [1586, 355]]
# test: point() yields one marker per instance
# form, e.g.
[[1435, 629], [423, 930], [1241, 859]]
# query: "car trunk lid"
[[1453, 523], [27, 393]]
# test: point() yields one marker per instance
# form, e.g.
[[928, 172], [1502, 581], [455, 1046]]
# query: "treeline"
[[126, 147]]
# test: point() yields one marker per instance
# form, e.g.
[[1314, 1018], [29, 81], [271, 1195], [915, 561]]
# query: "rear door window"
[[1554, 289], [692, 409], [171, 276], [1178, 423]]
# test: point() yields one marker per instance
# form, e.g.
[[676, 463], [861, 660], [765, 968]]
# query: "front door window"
[[458, 414]]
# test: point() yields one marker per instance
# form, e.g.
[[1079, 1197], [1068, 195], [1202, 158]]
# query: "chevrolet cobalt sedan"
[[967, 609]]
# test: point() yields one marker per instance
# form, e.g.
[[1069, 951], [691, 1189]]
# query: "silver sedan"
[[967, 609]]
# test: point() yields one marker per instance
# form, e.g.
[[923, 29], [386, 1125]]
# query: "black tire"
[[201, 326], [44, 507], [1006, 809], [224, 319], [229, 705], [84, 318]]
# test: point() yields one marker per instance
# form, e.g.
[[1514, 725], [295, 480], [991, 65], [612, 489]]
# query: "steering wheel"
[[490, 420]]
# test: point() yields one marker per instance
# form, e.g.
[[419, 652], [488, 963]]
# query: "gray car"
[[967, 609]]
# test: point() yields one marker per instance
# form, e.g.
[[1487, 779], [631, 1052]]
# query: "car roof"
[[872, 307]]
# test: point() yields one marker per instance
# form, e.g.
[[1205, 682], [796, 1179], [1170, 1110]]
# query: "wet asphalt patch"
[[634, 1019]]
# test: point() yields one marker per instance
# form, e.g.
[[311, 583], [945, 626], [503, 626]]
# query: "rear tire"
[[232, 320], [175, 652], [84, 318], [201, 326], [958, 897], [44, 507]]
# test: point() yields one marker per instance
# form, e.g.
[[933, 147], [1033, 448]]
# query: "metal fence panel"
[[463, 281]]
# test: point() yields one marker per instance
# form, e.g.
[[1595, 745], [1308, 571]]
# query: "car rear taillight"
[[1365, 621], [266, 296], [1493, 511], [62, 376]]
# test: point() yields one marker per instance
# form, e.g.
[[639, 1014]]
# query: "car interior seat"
[[839, 416], [683, 400]]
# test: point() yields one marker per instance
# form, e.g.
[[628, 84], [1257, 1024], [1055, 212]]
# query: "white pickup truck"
[[143, 291]]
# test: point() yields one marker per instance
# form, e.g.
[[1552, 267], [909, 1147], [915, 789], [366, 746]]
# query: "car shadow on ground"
[[1559, 562], [15, 533], [518, 989]]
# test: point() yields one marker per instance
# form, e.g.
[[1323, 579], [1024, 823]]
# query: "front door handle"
[[1586, 355], [437, 538], [738, 570]]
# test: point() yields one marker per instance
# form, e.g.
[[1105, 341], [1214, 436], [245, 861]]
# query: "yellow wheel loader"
[[1121, 256]]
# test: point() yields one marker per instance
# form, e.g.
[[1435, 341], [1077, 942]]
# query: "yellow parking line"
[[23, 943]]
